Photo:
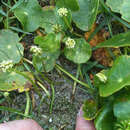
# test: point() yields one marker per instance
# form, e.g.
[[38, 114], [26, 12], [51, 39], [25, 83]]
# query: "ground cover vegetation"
[[90, 35]]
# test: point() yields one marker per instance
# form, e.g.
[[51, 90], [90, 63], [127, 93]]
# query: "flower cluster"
[[6, 65], [36, 50], [70, 43], [56, 28], [62, 12]]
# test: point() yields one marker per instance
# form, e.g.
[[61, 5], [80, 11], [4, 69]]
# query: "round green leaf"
[[122, 106], [90, 109], [125, 10], [105, 119], [116, 78], [120, 6], [115, 5], [10, 48], [13, 81], [29, 13], [48, 19], [86, 16], [71, 4], [46, 61], [80, 53], [48, 43]]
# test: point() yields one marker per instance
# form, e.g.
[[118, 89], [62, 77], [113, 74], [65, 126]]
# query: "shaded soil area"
[[64, 110]]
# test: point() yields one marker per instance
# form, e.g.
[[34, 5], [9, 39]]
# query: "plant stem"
[[7, 20], [43, 76], [111, 34], [68, 25], [72, 77], [23, 35], [53, 97], [125, 50], [26, 113], [31, 80], [41, 101], [28, 61], [44, 88], [110, 30], [75, 82]]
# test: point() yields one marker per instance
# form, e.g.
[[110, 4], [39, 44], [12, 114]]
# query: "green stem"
[[44, 88], [23, 35], [72, 77], [111, 34], [3, 108], [43, 76], [66, 22], [79, 35], [53, 97], [125, 50], [39, 107], [75, 82], [28, 61], [27, 104], [7, 20], [110, 30], [31, 80]]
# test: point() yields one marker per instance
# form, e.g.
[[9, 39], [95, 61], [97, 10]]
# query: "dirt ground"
[[65, 108]]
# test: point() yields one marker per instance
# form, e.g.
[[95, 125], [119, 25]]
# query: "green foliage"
[[59, 30], [10, 81], [1, 18], [10, 48], [90, 109], [80, 53], [105, 119], [116, 78], [29, 13], [114, 5], [50, 45], [86, 16], [122, 125], [71, 4], [122, 106], [48, 19], [119, 40], [120, 6]]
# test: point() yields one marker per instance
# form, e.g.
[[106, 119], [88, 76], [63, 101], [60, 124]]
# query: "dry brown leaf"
[[101, 55]]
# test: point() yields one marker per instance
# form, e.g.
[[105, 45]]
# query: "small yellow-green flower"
[[56, 28], [62, 12], [70, 43], [6, 65], [36, 50]]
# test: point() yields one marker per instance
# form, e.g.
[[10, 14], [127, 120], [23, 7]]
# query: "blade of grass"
[[26, 113], [3, 108], [18, 30], [52, 98], [72, 77], [75, 82], [44, 88], [17, 4]]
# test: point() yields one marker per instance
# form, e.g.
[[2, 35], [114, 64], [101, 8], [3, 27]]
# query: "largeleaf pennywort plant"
[[59, 32]]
